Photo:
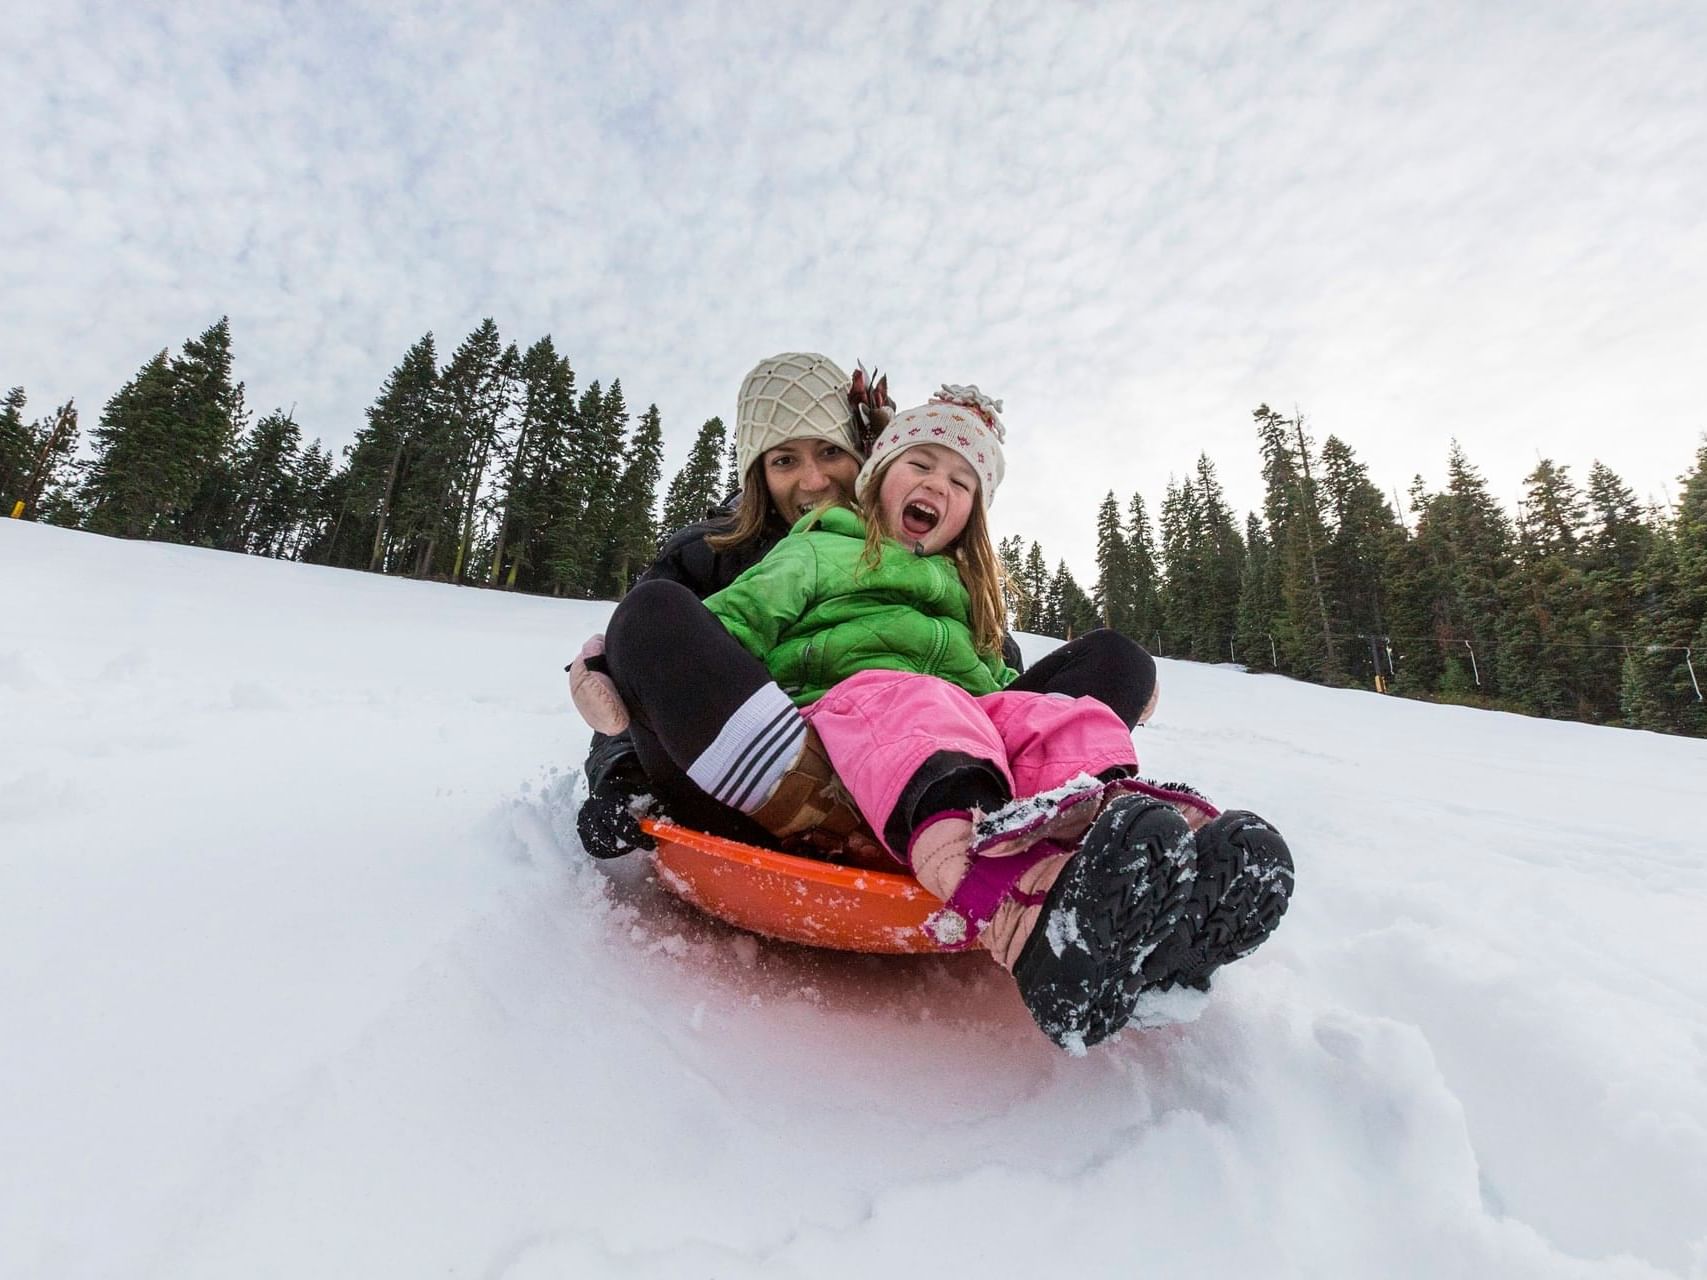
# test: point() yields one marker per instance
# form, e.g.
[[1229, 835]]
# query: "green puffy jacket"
[[814, 615]]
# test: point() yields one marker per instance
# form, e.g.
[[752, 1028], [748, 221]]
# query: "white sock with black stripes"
[[752, 751]]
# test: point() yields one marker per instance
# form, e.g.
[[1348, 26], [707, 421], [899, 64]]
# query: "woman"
[[795, 449]]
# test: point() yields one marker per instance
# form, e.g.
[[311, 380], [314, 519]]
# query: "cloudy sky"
[[1132, 221]]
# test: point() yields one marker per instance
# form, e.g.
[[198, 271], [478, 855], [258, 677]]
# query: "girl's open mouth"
[[919, 518]]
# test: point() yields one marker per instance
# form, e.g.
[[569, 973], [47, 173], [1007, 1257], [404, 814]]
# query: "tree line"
[[493, 469], [496, 468], [1585, 606]]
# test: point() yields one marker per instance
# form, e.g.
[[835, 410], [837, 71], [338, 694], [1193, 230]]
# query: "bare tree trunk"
[[509, 507], [377, 557], [64, 421]]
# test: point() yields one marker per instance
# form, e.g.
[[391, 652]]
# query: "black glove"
[[607, 825]]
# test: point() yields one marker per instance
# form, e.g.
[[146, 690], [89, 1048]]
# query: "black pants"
[[683, 677], [1100, 664]]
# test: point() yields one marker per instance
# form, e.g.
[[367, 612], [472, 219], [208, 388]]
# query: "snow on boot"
[[976, 865], [809, 797], [1193, 805], [1118, 896], [1242, 887]]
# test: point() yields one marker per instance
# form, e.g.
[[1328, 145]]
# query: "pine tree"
[[210, 418], [1292, 508], [696, 488], [1363, 534], [433, 471], [1648, 690], [136, 480], [1113, 593], [17, 449], [264, 470], [634, 533], [1417, 599], [1203, 563], [1616, 543], [1260, 605], [35, 458], [1691, 528], [576, 521], [1052, 608], [1659, 687], [48, 492], [1220, 562], [376, 505], [1181, 555], [477, 390], [1616, 540], [582, 544], [1449, 587], [1479, 540], [1545, 658], [1146, 598], [1071, 611], [732, 476], [1035, 597], [1010, 551], [314, 501], [537, 462], [161, 445]]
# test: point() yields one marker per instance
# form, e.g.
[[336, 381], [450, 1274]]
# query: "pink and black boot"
[[1240, 885], [1070, 891]]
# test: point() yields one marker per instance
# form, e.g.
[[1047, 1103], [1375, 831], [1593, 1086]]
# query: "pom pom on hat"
[[963, 419]]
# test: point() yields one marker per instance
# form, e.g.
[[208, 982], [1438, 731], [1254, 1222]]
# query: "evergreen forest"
[[492, 466]]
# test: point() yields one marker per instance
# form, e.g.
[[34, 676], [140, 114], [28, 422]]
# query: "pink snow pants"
[[880, 726]]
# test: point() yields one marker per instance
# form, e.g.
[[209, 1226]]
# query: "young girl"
[[1013, 801]]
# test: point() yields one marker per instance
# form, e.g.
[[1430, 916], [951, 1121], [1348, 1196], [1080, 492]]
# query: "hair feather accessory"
[[873, 409]]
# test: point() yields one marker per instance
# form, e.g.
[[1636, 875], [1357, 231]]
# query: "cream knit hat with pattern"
[[963, 419], [789, 396]]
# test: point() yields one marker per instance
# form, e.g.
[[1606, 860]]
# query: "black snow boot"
[[1242, 887], [1121, 893]]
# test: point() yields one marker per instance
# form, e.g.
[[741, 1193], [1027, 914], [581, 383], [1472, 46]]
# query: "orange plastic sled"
[[800, 900]]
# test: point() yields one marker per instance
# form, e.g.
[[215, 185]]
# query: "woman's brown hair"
[[974, 556], [752, 511]]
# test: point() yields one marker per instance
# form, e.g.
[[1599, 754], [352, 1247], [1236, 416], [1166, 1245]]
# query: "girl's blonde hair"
[[974, 556]]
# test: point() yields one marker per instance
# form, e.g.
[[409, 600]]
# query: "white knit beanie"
[[789, 396], [960, 418]]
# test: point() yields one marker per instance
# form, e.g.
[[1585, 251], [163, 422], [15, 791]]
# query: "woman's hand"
[[593, 690]]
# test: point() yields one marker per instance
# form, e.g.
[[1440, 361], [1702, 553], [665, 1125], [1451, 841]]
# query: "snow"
[[303, 973]]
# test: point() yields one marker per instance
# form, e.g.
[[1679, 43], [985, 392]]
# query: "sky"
[[1134, 223]]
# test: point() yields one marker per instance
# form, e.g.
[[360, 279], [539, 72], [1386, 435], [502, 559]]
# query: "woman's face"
[[807, 473]]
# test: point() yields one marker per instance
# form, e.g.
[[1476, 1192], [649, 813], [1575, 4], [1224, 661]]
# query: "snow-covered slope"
[[302, 973]]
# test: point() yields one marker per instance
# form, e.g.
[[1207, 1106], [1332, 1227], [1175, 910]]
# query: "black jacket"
[[689, 559]]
